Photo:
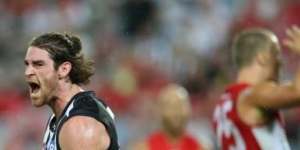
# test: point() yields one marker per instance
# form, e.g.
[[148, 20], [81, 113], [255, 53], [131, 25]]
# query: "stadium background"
[[138, 47]]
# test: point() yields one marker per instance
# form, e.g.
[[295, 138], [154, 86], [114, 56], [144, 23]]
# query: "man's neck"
[[173, 136], [249, 74], [63, 96]]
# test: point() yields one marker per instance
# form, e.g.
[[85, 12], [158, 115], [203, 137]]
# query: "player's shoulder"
[[87, 102], [156, 136], [89, 129], [191, 141], [78, 123], [86, 97], [236, 89]]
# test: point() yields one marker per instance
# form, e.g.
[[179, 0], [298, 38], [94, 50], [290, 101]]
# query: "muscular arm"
[[270, 95], [81, 132]]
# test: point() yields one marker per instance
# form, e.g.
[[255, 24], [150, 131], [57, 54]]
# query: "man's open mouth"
[[34, 87]]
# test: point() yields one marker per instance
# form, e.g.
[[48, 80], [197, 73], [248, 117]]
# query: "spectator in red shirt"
[[174, 109]]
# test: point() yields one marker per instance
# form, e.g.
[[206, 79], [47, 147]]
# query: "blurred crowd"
[[138, 46]]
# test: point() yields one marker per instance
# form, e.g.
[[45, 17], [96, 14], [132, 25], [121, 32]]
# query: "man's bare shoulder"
[[82, 132]]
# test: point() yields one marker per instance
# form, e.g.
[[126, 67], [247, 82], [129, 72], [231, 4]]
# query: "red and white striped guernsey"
[[233, 134]]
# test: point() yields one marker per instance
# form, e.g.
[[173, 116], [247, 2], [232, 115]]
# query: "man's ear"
[[64, 69], [263, 58]]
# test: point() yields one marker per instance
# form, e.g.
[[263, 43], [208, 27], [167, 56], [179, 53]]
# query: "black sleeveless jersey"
[[82, 104]]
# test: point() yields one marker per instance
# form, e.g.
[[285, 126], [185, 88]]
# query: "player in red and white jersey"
[[247, 116]]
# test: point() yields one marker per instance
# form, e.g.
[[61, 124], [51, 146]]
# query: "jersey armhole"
[[259, 110]]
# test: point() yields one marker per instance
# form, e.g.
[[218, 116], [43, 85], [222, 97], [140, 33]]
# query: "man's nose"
[[29, 71]]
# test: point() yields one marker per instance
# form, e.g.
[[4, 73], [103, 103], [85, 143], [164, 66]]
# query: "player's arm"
[[81, 132], [270, 95]]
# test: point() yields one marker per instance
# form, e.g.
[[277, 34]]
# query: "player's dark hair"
[[249, 42], [66, 48]]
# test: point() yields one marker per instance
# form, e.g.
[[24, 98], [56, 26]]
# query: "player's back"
[[234, 134]]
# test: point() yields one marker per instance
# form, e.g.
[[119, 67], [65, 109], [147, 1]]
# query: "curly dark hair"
[[66, 47]]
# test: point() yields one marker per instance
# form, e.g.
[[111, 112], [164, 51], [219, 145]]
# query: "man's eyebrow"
[[38, 62], [26, 62]]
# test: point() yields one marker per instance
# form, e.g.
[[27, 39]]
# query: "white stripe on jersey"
[[109, 111], [67, 113], [271, 137], [47, 130]]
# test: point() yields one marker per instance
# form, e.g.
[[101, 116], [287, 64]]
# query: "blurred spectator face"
[[175, 109], [40, 75]]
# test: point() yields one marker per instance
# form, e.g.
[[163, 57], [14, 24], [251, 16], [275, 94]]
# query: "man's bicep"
[[82, 132], [272, 96]]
